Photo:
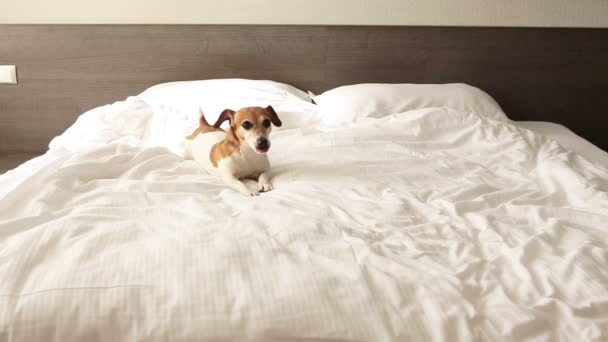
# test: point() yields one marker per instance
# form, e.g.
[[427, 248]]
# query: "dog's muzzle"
[[262, 145]]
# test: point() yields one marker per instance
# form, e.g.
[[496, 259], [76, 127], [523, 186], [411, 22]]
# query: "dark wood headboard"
[[547, 74]]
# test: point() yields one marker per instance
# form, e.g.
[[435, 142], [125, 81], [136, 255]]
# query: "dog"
[[238, 153]]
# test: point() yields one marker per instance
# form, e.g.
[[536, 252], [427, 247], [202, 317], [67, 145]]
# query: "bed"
[[410, 213]]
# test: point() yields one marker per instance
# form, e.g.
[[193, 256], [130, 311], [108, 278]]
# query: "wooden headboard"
[[544, 74]]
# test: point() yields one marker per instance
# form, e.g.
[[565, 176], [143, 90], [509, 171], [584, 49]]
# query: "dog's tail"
[[202, 121], [188, 143]]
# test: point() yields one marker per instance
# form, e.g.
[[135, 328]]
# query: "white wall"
[[564, 13]]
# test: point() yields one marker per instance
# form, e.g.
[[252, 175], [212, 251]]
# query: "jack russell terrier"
[[238, 153]]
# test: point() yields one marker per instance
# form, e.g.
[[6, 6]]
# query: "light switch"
[[8, 74]]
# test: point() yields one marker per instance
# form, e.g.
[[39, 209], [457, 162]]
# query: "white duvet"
[[431, 224]]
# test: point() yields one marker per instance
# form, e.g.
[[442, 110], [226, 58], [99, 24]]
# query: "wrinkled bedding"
[[431, 224]]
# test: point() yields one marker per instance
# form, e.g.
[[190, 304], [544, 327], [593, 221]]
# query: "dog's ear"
[[227, 114], [274, 118]]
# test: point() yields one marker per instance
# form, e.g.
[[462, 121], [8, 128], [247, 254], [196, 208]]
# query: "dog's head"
[[251, 125]]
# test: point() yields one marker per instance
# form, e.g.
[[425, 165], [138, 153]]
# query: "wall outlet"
[[8, 74]]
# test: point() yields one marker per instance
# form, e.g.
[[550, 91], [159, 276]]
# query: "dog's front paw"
[[249, 193], [264, 187]]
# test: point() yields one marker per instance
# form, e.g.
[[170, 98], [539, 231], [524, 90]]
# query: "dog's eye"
[[266, 123], [247, 125]]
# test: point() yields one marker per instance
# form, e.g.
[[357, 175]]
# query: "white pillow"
[[165, 114], [353, 102], [124, 122], [293, 106]]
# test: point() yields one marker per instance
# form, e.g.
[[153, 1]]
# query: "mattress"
[[426, 225]]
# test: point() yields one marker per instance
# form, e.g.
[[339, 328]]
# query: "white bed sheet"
[[426, 225], [567, 139]]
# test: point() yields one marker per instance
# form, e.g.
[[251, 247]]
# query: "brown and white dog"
[[240, 152]]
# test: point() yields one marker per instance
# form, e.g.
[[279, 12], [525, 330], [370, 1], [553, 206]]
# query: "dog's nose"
[[262, 144]]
